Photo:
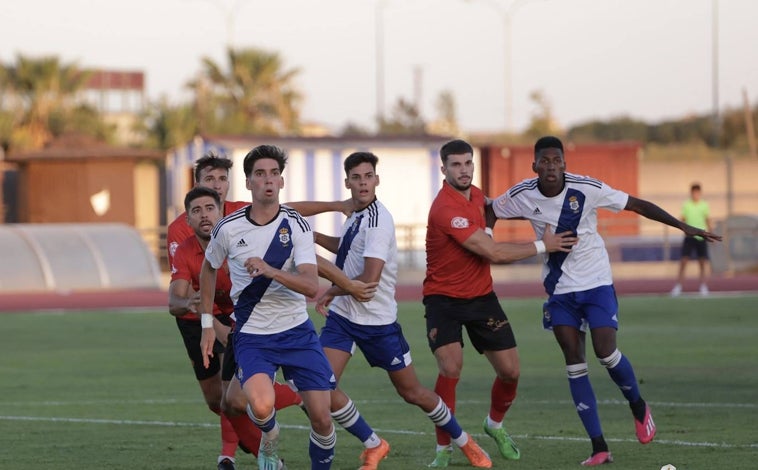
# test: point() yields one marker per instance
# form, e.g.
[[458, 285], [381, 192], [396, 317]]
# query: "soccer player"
[[271, 258], [212, 171], [458, 292], [579, 283], [203, 208], [695, 212], [367, 251]]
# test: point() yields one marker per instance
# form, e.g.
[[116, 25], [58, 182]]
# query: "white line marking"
[[719, 445], [173, 401]]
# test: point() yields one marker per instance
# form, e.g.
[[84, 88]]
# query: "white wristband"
[[488, 231], [540, 245], [206, 320]]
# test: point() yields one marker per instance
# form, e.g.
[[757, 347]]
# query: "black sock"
[[599, 445], [638, 409]]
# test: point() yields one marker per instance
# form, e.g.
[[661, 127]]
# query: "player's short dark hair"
[[264, 151], [547, 142], [200, 191], [695, 187], [213, 161], [455, 147], [356, 158]]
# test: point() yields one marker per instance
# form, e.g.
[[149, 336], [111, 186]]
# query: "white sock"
[[492, 424]]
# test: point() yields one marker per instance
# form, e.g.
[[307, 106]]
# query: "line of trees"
[[254, 92]]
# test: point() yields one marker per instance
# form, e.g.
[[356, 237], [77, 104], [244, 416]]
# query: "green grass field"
[[114, 390]]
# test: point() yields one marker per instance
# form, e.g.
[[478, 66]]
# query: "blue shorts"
[[595, 308], [383, 345], [297, 351]]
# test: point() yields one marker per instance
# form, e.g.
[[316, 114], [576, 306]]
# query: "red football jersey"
[[179, 231], [188, 260], [451, 269]]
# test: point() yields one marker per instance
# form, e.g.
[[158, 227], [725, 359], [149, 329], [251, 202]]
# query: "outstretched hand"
[[348, 207], [698, 232], [563, 241], [207, 341], [323, 302], [362, 291]]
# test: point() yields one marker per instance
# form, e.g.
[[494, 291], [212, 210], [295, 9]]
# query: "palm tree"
[[169, 126], [40, 92], [255, 95]]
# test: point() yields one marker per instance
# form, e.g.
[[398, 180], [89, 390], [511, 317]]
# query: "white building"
[[409, 170]]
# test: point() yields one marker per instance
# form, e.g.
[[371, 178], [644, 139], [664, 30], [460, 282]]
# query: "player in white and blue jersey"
[[367, 251], [579, 283], [271, 258]]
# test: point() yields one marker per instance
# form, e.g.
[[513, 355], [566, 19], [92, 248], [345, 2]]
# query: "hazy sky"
[[649, 59]]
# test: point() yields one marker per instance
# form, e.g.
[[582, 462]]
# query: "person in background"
[[695, 212]]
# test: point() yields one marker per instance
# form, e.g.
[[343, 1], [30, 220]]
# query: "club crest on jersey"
[[355, 225], [284, 235], [574, 203], [459, 222]]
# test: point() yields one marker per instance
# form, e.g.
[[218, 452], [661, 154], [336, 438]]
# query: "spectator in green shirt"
[[695, 212]]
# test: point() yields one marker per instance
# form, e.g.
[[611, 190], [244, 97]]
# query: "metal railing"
[[654, 242]]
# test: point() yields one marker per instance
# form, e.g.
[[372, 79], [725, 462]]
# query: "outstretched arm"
[[361, 290], [181, 298], [308, 208], [325, 241], [505, 252], [651, 211], [207, 294]]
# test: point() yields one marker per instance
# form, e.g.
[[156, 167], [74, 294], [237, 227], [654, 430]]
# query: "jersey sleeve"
[[506, 207], [453, 223], [180, 268], [304, 249], [218, 249], [378, 242], [178, 231], [611, 199]]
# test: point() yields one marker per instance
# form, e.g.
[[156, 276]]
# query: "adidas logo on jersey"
[[241, 243], [537, 211]]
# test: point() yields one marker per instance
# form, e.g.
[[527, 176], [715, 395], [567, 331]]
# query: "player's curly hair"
[[213, 161]]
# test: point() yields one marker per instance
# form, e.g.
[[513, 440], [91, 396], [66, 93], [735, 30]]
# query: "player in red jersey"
[[458, 292], [212, 171]]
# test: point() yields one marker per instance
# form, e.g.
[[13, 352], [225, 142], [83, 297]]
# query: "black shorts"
[[485, 321], [229, 365], [694, 248], [191, 332]]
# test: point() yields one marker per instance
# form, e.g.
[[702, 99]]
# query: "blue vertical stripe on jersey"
[[277, 254], [347, 240], [568, 220]]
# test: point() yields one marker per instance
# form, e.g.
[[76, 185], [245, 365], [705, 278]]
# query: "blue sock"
[[444, 419], [349, 418], [584, 398], [621, 372], [321, 450]]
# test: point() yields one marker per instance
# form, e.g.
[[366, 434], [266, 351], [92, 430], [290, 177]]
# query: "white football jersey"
[[369, 233], [575, 208], [262, 305]]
